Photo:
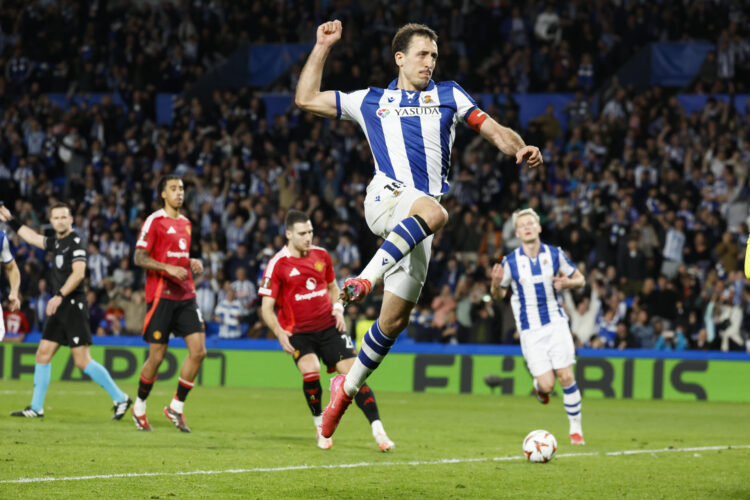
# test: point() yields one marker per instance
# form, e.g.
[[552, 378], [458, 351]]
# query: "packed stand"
[[651, 203]]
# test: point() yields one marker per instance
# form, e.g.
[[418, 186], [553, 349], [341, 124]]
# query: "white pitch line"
[[360, 464]]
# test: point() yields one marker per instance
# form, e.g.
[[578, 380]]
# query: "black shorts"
[[70, 323], [330, 344], [180, 317]]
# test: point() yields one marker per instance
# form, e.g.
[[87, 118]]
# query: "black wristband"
[[14, 224], [58, 294]]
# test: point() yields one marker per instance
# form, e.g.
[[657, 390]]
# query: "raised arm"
[[25, 232], [308, 95], [510, 143]]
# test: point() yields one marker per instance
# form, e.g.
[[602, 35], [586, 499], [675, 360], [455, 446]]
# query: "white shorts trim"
[[387, 203], [548, 348]]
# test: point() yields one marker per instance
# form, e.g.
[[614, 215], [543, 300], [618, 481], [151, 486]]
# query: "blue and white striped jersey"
[[6, 256], [410, 133], [229, 312], [534, 300]]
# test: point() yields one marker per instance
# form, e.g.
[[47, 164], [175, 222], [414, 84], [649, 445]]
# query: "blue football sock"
[[42, 375], [375, 346], [101, 376], [405, 236]]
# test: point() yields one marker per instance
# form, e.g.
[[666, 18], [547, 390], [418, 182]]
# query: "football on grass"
[[539, 446]]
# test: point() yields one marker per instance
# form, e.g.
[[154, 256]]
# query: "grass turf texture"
[[242, 429]]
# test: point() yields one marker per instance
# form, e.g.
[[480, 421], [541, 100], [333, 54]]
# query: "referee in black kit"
[[67, 312]]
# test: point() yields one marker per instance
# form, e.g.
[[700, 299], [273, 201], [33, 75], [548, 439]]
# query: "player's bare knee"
[[431, 212], [436, 217], [566, 378], [43, 358], [155, 359], [545, 385], [198, 354], [393, 326]]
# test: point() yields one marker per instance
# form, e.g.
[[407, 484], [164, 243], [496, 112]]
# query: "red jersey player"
[[163, 249], [299, 305]]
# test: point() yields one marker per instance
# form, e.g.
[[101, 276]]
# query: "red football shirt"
[[300, 287], [167, 240], [15, 322]]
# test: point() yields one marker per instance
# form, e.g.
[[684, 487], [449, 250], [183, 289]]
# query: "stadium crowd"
[[650, 202]]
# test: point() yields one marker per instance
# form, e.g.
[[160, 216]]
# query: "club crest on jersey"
[[383, 112], [427, 99], [59, 261], [182, 244], [311, 283], [318, 265]]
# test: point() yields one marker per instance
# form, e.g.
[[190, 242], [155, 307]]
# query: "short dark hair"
[[60, 204], [403, 36], [163, 185], [293, 217]]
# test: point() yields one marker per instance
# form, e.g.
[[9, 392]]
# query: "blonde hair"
[[525, 211]]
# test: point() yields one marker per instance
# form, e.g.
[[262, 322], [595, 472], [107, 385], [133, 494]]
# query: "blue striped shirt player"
[[535, 272], [411, 133], [535, 302], [410, 126], [228, 313]]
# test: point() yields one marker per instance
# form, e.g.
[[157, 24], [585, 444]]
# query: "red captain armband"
[[476, 118]]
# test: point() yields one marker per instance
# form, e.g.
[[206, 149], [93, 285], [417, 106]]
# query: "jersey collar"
[[541, 250], [392, 85]]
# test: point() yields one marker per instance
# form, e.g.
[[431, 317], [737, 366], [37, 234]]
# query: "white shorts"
[[548, 348], [387, 203]]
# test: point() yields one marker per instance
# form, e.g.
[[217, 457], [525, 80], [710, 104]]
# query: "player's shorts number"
[[348, 341]]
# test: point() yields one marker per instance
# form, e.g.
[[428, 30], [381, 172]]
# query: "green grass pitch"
[[253, 443]]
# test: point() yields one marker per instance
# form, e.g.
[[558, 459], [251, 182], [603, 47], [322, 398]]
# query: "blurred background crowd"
[[650, 201]]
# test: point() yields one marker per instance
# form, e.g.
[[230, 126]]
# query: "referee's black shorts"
[[180, 317], [70, 323]]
